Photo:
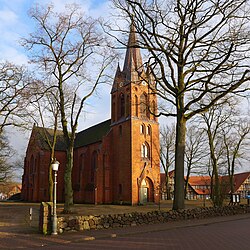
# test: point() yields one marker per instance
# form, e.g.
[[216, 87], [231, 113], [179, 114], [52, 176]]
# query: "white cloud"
[[15, 23], [7, 17]]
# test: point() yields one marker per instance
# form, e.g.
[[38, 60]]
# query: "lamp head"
[[55, 165]]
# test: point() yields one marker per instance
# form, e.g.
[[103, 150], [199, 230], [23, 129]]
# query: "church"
[[116, 161]]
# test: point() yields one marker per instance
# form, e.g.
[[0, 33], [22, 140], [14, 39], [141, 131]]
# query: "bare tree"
[[236, 142], [46, 112], [70, 49], [195, 153], [6, 168], [13, 94], [195, 48], [167, 152], [216, 120]]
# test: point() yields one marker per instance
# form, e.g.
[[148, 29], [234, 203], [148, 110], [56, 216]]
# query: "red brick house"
[[200, 186], [116, 161]]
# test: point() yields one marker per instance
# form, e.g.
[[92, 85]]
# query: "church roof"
[[92, 134], [42, 133], [83, 138]]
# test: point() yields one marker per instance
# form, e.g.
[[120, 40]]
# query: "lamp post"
[[55, 166]]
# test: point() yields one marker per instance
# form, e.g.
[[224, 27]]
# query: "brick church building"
[[115, 161]]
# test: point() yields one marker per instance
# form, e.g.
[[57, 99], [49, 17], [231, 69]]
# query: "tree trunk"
[[187, 178], [216, 191], [179, 162], [50, 183], [167, 184], [68, 181], [232, 182]]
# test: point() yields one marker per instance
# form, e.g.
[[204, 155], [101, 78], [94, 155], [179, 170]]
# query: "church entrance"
[[146, 191]]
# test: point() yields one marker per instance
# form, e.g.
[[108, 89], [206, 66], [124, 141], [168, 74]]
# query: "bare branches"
[[6, 169], [14, 94], [70, 51], [196, 47]]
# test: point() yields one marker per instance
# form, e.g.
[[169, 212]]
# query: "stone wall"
[[78, 223]]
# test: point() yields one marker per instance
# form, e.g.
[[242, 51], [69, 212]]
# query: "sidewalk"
[[30, 240]]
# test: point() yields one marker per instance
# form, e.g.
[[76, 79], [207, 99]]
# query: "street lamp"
[[55, 166]]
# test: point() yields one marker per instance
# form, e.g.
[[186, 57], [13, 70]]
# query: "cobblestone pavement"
[[230, 232]]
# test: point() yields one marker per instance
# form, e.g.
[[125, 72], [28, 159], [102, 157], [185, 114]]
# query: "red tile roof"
[[239, 179], [206, 180]]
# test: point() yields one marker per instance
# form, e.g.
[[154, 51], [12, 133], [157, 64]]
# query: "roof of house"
[[92, 134], [239, 179], [199, 180], [205, 181]]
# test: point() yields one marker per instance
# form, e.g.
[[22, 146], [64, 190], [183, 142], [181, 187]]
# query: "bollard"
[[30, 212]]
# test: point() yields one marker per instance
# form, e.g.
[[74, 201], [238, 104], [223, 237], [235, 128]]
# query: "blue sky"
[[14, 24]]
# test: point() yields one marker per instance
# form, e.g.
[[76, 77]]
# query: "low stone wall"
[[78, 223]]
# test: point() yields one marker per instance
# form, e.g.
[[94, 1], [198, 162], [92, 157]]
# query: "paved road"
[[222, 235], [232, 232], [217, 233]]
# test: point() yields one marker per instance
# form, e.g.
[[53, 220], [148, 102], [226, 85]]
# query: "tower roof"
[[133, 60], [133, 69]]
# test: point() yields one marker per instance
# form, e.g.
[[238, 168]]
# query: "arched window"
[[93, 166], [136, 106], [143, 104], [122, 105], [145, 151], [127, 105], [81, 168], [148, 130], [154, 109], [32, 165], [142, 128], [120, 130], [113, 112]]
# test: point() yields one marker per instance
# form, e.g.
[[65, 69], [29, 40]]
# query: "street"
[[228, 232], [222, 235]]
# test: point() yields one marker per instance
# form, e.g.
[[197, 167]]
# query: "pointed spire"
[[133, 59], [117, 78]]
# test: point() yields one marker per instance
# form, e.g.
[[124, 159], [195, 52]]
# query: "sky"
[[15, 24]]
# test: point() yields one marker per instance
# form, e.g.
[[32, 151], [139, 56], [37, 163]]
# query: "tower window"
[[148, 130], [154, 110], [145, 151], [144, 105], [122, 105], [113, 111], [142, 128], [136, 106], [127, 106]]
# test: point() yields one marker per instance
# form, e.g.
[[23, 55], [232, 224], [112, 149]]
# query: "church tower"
[[135, 142]]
